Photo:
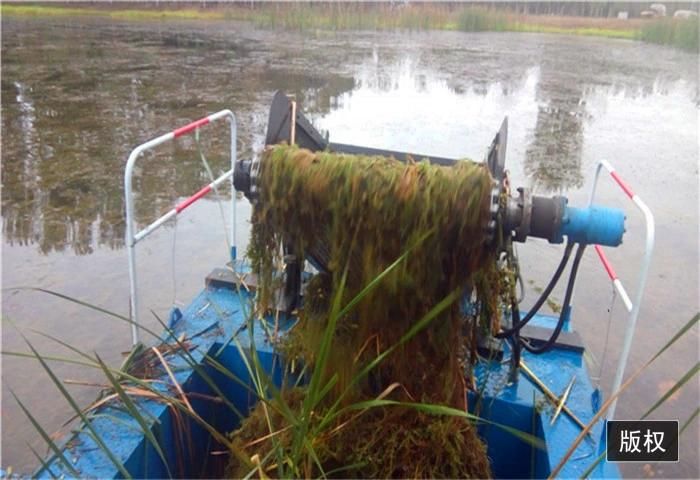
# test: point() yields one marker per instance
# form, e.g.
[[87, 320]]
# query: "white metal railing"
[[132, 237], [632, 307]]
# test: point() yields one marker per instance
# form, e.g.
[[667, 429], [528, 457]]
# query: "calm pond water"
[[78, 95]]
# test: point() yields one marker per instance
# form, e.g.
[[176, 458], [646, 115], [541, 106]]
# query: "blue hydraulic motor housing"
[[552, 219], [593, 225]]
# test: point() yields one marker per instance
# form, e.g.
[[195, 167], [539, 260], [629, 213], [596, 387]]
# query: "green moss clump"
[[395, 442], [355, 216]]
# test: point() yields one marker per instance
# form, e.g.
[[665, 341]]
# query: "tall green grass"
[[290, 460], [309, 423], [680, 33], [348, 16], [691, 374], [307, 427], [475, 19], [44, 10], [122, 381], [676, 32]]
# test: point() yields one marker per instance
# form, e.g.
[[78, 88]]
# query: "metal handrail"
[[132, 237], [632, 307]]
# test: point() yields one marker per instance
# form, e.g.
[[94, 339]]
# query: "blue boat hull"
[[216, 317]]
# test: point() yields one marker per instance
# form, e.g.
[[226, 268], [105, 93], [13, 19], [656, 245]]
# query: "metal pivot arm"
[[284, 119], [496, 157], [279, 128], [524, 216]]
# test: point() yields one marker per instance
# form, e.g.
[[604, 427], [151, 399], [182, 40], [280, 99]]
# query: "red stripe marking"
[[606, 263], [192, 199], [622, 184], [188, 128]]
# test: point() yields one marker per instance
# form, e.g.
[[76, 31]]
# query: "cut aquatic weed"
[[414, 422], [296, 451], [397, 244]]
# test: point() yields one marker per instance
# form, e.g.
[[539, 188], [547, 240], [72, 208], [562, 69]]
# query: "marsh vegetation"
[[680, 33]]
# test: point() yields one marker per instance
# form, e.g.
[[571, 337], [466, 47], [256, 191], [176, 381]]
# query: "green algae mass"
[[355, 216]]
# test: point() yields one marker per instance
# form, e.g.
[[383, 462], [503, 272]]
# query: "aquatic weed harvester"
[[390, 279]]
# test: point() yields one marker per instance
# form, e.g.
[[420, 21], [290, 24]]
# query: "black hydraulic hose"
[[565, 308], [515, 348], [543, 297], [514, 342]]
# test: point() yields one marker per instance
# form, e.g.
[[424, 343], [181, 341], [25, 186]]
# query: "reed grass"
[[308, 425], [122, 381], [474, 19], [267, 393], [692, 323], [44, 10], [675, 32], [350, 16], [289, 433]]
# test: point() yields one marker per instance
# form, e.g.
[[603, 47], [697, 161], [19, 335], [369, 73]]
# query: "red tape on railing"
[[188, 128], [186, 203], [622, 184], [606, 263]]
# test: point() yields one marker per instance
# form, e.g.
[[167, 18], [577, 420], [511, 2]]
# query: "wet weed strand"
[[362, 213]]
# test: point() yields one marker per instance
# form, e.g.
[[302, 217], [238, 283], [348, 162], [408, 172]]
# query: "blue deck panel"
[[512, 404], [216, 316], [211, 319]]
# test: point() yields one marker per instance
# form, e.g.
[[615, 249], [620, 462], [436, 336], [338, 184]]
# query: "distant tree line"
[[586, 9], [565, 8]]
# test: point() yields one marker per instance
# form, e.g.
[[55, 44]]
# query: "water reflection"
[[71, 116], [553, 156], [402, 104]]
